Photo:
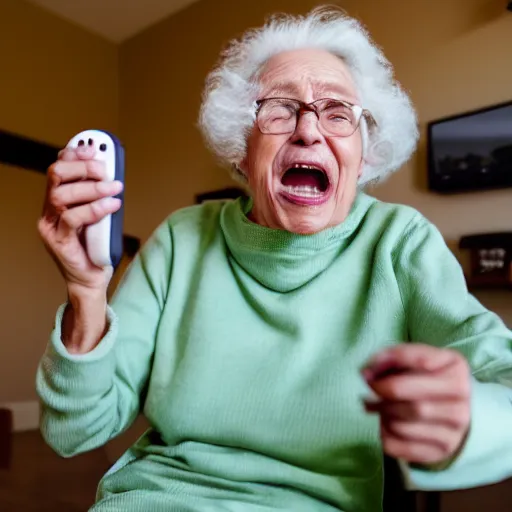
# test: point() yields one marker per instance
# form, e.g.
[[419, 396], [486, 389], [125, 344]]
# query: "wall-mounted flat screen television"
[[471, 151]]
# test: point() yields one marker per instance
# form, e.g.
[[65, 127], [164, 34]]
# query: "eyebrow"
[[324, 87], [284, 88]]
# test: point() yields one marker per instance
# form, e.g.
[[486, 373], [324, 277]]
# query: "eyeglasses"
[[337, 118]]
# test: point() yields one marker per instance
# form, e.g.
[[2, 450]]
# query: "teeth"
[[304, 191], [301, 166]]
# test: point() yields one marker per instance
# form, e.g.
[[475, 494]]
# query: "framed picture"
[[29, 154], [224, 193]]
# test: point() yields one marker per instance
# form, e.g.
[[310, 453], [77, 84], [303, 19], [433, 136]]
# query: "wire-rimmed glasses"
[[336, 118]]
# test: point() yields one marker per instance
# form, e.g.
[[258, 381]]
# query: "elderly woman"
[[251, 332]]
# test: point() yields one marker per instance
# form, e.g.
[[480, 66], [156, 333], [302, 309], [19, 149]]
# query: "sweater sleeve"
[[442, 312], [88, 399]]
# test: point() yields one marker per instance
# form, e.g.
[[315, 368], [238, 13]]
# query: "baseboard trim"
[[25, 415]]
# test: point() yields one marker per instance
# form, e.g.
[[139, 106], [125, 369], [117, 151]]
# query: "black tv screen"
[[471, 151]]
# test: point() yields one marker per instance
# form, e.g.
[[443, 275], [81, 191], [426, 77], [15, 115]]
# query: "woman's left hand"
[[423, 401]]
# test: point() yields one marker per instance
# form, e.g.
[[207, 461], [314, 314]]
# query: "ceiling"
[[116, 20]]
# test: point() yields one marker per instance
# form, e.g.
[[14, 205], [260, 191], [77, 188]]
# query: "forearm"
[[442, 313], [99, 357]]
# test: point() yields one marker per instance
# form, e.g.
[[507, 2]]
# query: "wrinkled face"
[[304, 181]]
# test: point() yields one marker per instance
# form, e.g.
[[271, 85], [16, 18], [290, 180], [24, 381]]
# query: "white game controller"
[[104, 240]]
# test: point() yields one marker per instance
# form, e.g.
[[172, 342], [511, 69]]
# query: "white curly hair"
[[228, 110]]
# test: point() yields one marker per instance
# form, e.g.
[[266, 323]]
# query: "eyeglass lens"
[[278, 116]]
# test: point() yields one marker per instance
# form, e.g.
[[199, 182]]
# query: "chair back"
[[6, 428], [396, 496]]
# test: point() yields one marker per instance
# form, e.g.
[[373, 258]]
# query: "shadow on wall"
[[420, 173], [488, 11]]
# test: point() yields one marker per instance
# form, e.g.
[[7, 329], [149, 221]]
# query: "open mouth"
[[305, 184]]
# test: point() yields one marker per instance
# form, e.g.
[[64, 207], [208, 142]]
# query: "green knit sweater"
[[243, 347]]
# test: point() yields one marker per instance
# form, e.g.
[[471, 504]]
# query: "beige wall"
[[55, 80]]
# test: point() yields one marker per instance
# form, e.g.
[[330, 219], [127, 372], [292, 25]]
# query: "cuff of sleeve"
[[87, 373], [99, 352], [486, 457]]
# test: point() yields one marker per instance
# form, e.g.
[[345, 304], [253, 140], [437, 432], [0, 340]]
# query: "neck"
[[271, 220], [262, 217], [280, 259]]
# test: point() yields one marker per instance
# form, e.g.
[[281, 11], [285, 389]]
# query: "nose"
[[307, 131]]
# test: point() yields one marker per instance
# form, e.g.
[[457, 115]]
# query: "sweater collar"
[[278, 259]]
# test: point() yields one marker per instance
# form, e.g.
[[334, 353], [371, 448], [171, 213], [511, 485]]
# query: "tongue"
[[302, 178]]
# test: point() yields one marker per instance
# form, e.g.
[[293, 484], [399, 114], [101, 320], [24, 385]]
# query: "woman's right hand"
[[77, 196]]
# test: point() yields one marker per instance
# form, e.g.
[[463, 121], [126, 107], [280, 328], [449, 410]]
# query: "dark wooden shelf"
[[487, 282]]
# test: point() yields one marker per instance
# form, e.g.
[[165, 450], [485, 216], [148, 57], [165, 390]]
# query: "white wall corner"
[[25, 415]]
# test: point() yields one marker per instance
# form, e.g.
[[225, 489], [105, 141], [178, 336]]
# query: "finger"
[[409, 356], [81, 192], [413, 439], [449, 385], [414, 452], [68, 171], [67, 155], [70, 154], [75, 218], [452, 414], [440, 435]]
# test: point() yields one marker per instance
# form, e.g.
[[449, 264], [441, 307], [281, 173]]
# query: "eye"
[[280, 113], [91, 142], [338, 118], [103, 147], [81, 142], [279, 110], [338, 113]]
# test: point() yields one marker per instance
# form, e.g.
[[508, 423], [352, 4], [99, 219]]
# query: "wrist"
[[447, 462], [85, 320], [82, 296]]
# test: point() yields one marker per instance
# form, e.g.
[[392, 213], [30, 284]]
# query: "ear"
[[243, 166], [361, 167], [239, 173]]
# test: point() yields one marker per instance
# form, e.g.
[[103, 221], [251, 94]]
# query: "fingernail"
[[83, 151]]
